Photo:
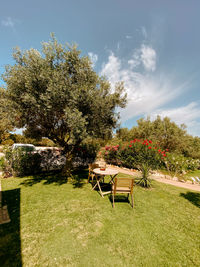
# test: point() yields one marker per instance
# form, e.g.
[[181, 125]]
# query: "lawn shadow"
[[119, 198], [77, 178], [46, 178], [10, 245], [193, 197]]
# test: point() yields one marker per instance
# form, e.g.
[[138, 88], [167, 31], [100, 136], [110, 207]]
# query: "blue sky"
[[153, 46]]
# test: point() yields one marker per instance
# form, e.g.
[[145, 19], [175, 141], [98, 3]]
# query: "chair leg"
[[132, 200], [113, 197]]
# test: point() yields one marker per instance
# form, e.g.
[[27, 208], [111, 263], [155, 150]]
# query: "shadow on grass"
[[194, 198], [10, 245], [119, 198], [77, 179]]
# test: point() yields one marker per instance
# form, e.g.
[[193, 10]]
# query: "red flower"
[[149, 147], [159, 150], [130, 145], [150, 142], [167, 149], [164, 155]]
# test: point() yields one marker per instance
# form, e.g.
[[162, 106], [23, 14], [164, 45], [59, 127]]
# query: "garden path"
[[194, 187]]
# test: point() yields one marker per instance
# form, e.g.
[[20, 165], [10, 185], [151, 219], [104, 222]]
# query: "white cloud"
[[146, 92], [189, 115], [145, 56], [93, 57], [8, 22], [135, 60], [128, 37], [148, 57]]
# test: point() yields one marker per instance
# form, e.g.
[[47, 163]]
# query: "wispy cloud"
[[93, 57], [128, 37], [8, 22], [148, 57], [146, 91]]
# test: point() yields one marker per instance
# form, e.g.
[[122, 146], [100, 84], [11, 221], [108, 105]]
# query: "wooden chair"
[[91, 174], [123, 186]]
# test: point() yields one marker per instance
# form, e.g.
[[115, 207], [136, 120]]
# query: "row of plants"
[[24, 161], [145, 155]]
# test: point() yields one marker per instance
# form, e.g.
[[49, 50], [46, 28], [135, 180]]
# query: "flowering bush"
[[178, 164], [139, 154]]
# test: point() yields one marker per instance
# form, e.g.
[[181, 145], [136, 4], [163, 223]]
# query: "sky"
[[153, 46]]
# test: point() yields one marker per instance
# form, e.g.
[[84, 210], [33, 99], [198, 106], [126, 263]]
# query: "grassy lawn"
[[55, 222], [193, 173]]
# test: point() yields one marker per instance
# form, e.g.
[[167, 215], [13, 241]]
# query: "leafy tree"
[[56, 94], [6, 118], [163, 131]]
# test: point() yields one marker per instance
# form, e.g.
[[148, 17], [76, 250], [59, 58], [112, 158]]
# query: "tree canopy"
[[6, 118], [56, 94], [166, 132]]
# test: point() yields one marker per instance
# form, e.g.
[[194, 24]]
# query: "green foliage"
[[8, 142], [57, 95], [87, 151], [23, 161], [2, 163], [168, 134], [6, 115], [44, 142], [140, 154], [177, 164]]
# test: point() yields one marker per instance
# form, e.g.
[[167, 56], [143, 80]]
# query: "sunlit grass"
[[65, 223]]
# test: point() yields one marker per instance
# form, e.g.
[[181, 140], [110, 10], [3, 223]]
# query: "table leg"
[[112, 178], [100, 188]]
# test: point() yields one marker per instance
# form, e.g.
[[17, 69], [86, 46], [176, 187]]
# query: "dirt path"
[[194, 187]]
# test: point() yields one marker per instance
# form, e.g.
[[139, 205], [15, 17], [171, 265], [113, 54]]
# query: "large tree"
[[57, 94], [6, 115]]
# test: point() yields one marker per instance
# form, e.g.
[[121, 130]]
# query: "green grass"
[[55, 222], [193, 173]]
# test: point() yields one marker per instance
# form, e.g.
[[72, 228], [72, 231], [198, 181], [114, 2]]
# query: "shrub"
[[8, 142], [22, 162], [177, 164], [139, 154], [2, 163], [86, 153]]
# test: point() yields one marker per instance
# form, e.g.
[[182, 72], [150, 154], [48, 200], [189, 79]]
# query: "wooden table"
[[100, 175]]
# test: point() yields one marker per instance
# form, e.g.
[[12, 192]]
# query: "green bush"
[[2, 163], [22, 161], [8, 142], [86, 153], [140, 154], [177, 164]]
